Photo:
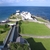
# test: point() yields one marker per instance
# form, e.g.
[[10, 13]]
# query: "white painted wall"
[[17, 13], [26, 15]]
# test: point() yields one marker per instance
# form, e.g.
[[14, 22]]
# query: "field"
[[34, 28], [38, 44], [3, 32]]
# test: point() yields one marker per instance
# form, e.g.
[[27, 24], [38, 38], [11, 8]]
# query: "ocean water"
[[6, 11]]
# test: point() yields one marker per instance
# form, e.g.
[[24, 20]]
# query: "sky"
[[24, 2]]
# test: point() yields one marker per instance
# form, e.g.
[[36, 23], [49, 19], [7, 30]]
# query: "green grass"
[[4, 34], [15, 16], [12, 17], [41, 19], [38, 44], [34, 28]]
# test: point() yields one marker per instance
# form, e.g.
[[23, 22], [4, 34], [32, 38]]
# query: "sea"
[[6, 11]]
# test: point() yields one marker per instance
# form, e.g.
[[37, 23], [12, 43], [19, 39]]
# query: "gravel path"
[[35, 36]]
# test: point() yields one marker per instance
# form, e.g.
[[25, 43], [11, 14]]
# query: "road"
[[34, 36]]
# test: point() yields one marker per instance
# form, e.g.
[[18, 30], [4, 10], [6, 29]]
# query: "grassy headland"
[[34, 28]]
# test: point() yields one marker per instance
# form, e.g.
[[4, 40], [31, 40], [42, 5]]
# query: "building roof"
[[18, 11], [20, 40]]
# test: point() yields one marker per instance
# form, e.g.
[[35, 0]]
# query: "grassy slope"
[[34, 28], [15, 16], [3, 35], [41, 19], [38, 44]]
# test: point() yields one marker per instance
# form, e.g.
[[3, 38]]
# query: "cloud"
[[27, 0], [9, 1], [14, 1], [40, 0], [1, 2], [37, 0], [24, 2], [31, 0], [17, 1]]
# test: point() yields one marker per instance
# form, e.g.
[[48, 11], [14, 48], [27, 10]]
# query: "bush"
[[1, 42], [6, 25], [18, 46], [2, 31]]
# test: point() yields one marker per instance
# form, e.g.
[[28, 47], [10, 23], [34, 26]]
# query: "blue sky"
[[24, 2]]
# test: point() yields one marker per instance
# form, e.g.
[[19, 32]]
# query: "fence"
[[4, 42], [11, 38]]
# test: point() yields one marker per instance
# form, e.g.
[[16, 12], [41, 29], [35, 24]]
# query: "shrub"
[[18, 46], [2, 31], [6, 25]]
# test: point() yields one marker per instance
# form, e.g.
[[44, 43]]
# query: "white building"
[[17, 12], [26, 15]]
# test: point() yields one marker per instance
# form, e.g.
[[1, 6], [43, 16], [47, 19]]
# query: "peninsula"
[[23, 27]]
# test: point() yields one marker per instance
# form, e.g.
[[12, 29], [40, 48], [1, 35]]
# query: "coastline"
[[38, 18], [4, 13]]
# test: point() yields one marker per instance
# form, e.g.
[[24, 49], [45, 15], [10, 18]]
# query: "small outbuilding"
[[21, 40]]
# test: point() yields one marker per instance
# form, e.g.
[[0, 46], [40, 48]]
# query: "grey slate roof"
[[20, 40]]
